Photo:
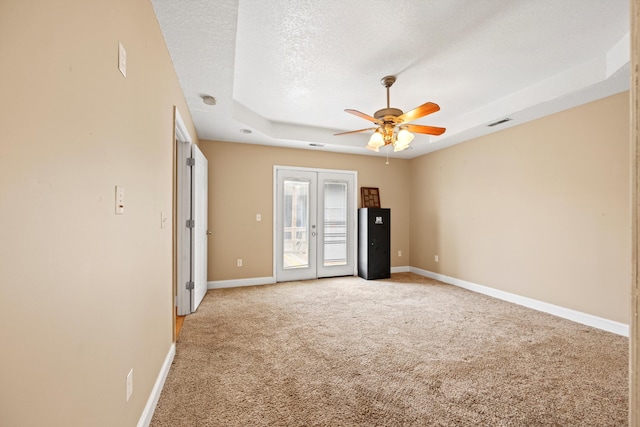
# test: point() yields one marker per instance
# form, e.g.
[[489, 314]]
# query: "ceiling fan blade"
[[418, 112], [429, 130], [353, 131], [363, 115]]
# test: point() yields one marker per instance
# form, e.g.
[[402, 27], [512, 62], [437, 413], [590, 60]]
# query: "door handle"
[[209, 233]]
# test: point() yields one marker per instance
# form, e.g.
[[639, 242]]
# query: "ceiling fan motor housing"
[[388, 114]]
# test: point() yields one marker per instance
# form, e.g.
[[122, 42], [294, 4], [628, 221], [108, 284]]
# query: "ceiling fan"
[[392, 123]]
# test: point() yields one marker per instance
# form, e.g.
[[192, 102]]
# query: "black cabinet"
[[374, 243]]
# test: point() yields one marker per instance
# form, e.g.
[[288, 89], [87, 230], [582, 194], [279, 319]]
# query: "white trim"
[[300, 168], [274, 233], [183, 212], [182, 134], [402, 269], [152, 402], [566, 313], [254, 281]]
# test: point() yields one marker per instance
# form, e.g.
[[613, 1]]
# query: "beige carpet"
[[406, 351]]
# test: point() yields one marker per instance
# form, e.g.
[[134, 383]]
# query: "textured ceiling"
[[286, 69]]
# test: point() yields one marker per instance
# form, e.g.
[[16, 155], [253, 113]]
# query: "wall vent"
[[499, 122]]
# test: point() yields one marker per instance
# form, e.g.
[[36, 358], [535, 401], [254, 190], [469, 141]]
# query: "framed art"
[[370, 197]]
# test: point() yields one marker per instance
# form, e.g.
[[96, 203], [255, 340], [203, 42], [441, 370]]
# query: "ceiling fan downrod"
[[387, 82], [388, 114]]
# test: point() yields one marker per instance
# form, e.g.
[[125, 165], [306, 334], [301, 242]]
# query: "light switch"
[[163, 219], [258, 217], [119, 200], [129, 384], [122, 59]]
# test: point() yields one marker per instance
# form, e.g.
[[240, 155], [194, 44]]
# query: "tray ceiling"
[[287, 70]]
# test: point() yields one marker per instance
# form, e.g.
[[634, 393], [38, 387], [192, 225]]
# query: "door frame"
[[354, 201], [634, 333], [182, 261]]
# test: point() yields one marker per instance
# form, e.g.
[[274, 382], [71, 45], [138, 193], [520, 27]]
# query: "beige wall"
[[85, 295], [541, 210], [241, 185]]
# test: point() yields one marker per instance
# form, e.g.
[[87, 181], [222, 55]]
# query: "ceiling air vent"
[[499, 122]]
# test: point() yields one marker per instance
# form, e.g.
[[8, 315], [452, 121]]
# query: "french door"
[[315, 223]]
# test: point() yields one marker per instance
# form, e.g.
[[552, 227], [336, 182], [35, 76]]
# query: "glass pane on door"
[[296, 224], [335, 223]]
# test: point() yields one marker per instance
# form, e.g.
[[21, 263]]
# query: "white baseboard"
[[150, 407], [218, 284], [255, 281], [566, 313]]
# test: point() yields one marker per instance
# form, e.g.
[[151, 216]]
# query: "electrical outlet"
[[399, 253], [129, 384], [239, 262], [435, 258]]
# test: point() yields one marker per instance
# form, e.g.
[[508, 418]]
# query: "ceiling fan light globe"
[[404, 137], [397, 148], [376, 140], [376, 149]]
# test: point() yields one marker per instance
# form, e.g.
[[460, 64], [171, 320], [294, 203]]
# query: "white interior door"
[[315, 224], [199, 200]]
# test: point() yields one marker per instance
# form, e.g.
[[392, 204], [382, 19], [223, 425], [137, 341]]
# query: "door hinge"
[[191, 223], [190, 286], [191, 161]]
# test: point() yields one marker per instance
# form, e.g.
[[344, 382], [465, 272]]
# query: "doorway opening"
[[190, 224]]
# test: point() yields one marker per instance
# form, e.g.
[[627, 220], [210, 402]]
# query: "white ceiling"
[[286, 70]]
